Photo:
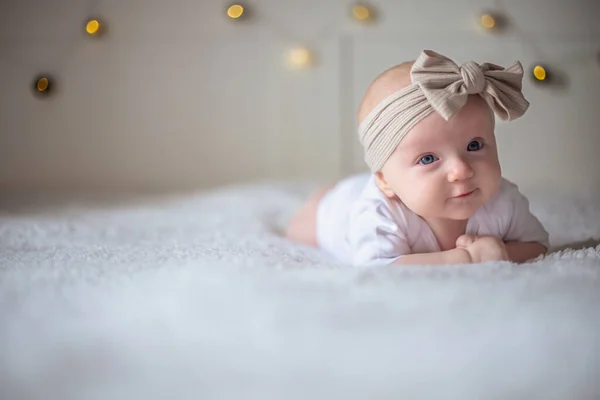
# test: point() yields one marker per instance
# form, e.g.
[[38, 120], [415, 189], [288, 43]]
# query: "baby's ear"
[[383, 185]]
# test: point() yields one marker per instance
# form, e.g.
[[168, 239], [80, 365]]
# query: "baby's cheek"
[[489, 164], [415, 190], [407, 186], [418, 196]]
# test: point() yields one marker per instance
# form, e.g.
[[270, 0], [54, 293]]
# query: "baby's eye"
[[428, 159], [475, 145]]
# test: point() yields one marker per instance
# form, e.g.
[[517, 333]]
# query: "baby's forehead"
[[473, 120]]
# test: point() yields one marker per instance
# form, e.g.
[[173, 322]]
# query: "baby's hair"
[[384, 84]]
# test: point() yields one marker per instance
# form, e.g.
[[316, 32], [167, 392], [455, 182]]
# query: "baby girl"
[[435, 192]]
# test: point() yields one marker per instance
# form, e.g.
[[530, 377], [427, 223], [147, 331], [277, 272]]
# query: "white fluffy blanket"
[[198, 297]]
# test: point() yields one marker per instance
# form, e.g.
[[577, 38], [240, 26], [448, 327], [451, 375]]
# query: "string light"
[[42, 85], [300, 57], [361, 12], [539, 73], [235, 11], [94, 27], [488, 21]]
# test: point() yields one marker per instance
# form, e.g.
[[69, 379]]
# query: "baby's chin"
[[455, 213], [460, 214], [458, 211]]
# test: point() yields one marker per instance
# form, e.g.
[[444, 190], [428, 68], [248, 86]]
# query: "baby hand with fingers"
[[435, 193], [483, 248]]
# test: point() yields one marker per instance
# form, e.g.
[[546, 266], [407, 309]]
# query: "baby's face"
[[447, 169]]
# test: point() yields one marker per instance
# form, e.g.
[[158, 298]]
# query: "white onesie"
[[359, 225]]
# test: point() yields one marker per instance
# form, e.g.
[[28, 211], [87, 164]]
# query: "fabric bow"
[[447, 85]]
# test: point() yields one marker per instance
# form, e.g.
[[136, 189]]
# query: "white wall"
[[177, 96]]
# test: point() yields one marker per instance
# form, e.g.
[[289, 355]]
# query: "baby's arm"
[[525, 237], [469, 249], [454, 256], [517, 252], [523, 251], [377, 238]]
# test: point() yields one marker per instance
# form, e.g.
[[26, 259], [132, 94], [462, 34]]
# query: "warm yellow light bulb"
[[539, 73], [488, 21], [42, 84], [299, 57], [361, 12], [92, 27], [235, 11]]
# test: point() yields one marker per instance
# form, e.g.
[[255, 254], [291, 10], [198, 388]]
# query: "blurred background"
[[156, 95]]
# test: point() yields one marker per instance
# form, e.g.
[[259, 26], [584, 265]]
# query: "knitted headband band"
[[439, 85]]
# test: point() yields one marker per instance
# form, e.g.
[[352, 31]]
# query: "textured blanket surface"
[[198, 296]]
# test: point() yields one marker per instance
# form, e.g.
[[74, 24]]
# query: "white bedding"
[[198, 297]]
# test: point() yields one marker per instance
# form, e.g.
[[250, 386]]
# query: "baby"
[[435, 193]]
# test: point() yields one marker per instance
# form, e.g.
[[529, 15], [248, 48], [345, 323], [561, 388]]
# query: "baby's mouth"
[[467, 194]]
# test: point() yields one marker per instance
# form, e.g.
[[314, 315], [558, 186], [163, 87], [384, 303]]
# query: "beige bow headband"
[[438, 84]]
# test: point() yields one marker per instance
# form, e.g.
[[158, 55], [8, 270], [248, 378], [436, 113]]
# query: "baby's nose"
[[460, 170]]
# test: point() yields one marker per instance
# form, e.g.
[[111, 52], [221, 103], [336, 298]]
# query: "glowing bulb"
[[300, 57], [92, 27], [488, 21], [539, 73], [42, 84], [361, 12], [235, 11]]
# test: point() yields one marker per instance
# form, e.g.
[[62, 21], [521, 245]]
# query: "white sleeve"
[[375, 237], [522, 225]]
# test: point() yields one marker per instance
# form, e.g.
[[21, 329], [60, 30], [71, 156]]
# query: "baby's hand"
[[483, 248]]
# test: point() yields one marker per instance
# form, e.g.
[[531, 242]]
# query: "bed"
[[197, 295]]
